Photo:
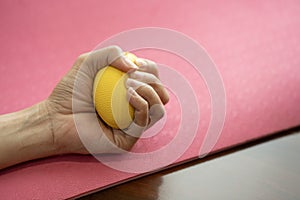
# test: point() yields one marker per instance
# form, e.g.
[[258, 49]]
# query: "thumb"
[[124, 64], [112, 55], [86, 68]]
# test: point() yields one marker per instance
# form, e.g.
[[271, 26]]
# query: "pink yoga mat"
[[255, 46]]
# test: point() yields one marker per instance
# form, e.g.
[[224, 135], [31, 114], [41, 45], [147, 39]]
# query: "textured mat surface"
[[255, 45]]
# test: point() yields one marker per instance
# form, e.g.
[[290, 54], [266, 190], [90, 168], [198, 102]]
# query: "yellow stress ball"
[[110, 96]]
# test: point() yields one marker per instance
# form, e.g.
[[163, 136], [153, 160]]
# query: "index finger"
[[93, 61]]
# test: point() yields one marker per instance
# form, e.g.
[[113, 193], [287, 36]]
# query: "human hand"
[[72, 101]]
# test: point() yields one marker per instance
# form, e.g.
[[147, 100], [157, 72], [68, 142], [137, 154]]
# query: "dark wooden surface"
[[265, 169]]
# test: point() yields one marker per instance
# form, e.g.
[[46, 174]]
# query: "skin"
[[48, 128]]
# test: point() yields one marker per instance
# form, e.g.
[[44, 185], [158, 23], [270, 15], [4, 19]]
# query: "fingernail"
[[131, 91], [135, 74], [140, 62], [132, 83], [128, 83], [130, 63]]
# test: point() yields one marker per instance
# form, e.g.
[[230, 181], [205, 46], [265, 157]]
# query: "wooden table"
[[264, 169]]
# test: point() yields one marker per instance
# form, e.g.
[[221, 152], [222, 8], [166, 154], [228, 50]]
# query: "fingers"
[[124, 64], [137, 127], [145, 91], [150, 67], [149, 108], [141, 107], [148, 99], [81, 76], [90, 63], [153, 81], [147, 66], [103, 57]]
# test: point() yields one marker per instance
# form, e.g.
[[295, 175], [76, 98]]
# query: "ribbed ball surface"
[[110, 97]]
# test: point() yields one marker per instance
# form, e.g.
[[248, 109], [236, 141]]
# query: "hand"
[[48, 128], [146, 94]]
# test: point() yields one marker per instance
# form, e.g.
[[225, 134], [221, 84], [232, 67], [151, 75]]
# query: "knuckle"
[[166, 98], [154, 68], [161, 113], [152, 63], [114, 48], [152, 79], [81, 57]]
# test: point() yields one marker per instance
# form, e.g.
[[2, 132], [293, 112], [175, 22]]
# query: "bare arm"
[[26, 135], [48, 128]]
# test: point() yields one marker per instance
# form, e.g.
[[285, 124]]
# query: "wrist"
[[26, 135], [63, 129]]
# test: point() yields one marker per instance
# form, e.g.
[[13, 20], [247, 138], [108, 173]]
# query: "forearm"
[[26, 135]]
